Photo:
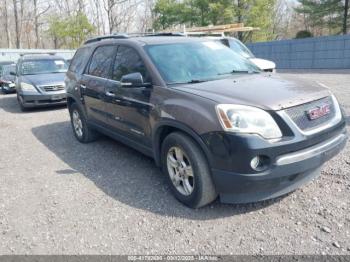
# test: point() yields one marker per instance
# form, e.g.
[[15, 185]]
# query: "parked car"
[[40, 80], [7, 81], [243, 50], [211, 121]]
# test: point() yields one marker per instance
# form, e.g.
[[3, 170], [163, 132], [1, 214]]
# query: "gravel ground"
[[61, 197]]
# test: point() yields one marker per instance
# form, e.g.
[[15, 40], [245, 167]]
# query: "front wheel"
[[21, 103], [187, 171], [81, 129]]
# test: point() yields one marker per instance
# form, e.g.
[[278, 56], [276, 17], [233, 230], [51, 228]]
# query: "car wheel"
[[81, 129], [20, 102], [187, 171]]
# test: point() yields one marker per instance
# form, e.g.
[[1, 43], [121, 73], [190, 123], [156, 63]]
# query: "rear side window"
[[128, 61], [79, 59], [101, 61]]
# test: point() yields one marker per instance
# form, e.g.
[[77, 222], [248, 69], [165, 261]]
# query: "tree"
[[168, 13], [345, 20], [7, 24], [322, 14], [17, 26], [303, 34], [71, 31]]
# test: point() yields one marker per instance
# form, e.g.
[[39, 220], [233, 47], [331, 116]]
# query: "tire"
[[87, 134], [203, 189], [21, 105]]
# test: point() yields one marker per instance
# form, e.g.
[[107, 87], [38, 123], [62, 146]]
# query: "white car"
[[239, 47]]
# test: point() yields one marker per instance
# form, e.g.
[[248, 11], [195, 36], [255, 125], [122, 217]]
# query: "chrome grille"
[[299, 114], [53, 88]]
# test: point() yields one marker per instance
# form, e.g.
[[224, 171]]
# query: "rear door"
[[94, 80]]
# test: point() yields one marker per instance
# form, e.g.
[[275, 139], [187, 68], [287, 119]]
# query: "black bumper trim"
[[276, 181]]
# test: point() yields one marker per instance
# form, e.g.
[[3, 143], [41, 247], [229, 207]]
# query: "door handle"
[[83, 86], [110, 94]]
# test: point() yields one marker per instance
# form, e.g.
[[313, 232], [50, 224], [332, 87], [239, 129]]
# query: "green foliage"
[[70, 32], [260, 14], [322, 14], [303, 34], [256, 13]]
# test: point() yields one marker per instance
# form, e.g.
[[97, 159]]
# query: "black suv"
[[209, 118], [40, 80]]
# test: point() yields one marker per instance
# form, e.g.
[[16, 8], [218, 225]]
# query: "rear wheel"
[[81, 129], [187, 171]]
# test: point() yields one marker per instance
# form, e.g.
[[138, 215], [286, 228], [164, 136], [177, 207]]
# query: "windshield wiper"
[[192, 81], [239, 72], [196, 81]]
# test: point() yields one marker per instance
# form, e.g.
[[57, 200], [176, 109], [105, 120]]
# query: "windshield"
[[240, 48], [45, 66], [6, 69], [197, 61]]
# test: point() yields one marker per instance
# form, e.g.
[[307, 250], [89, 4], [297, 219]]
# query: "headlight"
[[248, 120], [28, 87]]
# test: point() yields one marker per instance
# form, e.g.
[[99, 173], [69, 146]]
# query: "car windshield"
[[45, 66], [197, 61], [7, 69], [240, 48]]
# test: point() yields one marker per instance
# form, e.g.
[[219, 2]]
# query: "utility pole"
[[345, 23]]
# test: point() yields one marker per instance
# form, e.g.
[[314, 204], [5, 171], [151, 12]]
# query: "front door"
[[129, 108]]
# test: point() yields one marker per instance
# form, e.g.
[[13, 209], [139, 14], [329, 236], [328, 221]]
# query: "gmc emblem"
[[318, 112]]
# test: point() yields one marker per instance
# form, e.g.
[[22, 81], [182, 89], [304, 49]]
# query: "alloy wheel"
[[180, 171]]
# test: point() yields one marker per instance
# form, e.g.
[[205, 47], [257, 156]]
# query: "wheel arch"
[[164, 128]]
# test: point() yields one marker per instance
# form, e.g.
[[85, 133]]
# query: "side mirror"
[[13, 73], [133, 80]]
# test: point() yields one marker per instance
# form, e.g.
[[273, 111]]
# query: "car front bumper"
[[37, 100], [8, 87], [292, 164]]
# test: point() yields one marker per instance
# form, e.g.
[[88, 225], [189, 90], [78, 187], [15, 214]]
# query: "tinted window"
[[128, 61], [101, 61], [79, 60]]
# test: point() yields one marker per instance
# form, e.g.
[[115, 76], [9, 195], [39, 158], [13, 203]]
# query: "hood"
[[269, 92], [262, 63], [44, 79]]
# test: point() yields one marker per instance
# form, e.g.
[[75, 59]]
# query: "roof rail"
[[99, 38], [156, 34], [124, 36], [37, 53]]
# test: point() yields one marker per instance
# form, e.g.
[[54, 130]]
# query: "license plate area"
[[56, 97]]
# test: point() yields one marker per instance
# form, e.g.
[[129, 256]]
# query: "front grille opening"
[[299, 114], [53, 88]]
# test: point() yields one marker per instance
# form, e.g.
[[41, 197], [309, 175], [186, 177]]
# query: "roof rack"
[[99, 38], [157, 34], [125, 36]]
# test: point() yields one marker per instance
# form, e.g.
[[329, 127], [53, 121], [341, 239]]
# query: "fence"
[[14, 54], [331, 52]]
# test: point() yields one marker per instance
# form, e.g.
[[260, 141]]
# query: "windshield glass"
[[197, 61], [240, 48], [46, 66], [6, 69]]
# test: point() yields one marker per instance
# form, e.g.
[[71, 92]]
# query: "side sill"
[[123, 139]]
